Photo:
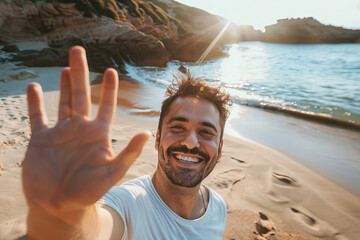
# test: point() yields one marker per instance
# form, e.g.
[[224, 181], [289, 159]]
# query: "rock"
[[66, 42], [3, 41], [25, 55], [20, 75], [140, 49], [10, 48], [47, 57], [193, 47], [183, 69], [25, 74], [122, 76], [100, 59], [111, 44], [248, 33], [309, 31], [140, 33]]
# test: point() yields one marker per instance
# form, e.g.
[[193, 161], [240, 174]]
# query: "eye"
[[177, 127], [207, 132]]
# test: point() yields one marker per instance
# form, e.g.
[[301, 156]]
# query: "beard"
[[183, 177]]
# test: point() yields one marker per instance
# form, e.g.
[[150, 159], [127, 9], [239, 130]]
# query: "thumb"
[[128, 155]]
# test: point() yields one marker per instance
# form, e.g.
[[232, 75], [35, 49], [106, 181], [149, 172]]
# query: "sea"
[[319, 82]]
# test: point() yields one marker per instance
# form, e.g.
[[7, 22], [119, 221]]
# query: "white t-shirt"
[[146, 216]]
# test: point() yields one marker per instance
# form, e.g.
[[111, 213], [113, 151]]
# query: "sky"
[[260, 13]]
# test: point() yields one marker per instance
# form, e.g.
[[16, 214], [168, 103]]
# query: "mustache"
[[185, 149]]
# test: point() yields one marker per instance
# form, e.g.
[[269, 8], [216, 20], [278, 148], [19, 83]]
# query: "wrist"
[[75, 224]]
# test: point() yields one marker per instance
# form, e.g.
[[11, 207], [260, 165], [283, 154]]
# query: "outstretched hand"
[[70, 166]]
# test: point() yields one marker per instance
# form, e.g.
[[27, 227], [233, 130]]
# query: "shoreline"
[[261, 186], [349, 120], [327, 150], [323, 118]]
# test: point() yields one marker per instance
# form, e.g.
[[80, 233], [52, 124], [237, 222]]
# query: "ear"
[[157, 141], [220, 149]]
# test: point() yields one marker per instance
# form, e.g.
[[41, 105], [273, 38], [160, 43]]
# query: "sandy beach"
[[269, 195]]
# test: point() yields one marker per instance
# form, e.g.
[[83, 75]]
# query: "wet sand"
[[331, 151]]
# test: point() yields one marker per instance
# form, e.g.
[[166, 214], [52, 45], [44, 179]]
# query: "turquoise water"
[[310, 80]]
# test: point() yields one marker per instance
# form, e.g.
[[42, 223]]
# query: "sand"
[[269, 195], [329, 150]]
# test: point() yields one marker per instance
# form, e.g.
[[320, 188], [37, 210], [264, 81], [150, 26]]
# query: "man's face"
[[190, 144]]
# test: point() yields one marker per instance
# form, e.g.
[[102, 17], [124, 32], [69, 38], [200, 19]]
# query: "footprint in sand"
[[264, 228], [270, 191], [314, 226], [242, 162], [228, 178], [226, 181], [304, 217], [284, 180]]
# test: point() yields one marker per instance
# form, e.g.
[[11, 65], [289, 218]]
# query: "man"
[[68, 168]]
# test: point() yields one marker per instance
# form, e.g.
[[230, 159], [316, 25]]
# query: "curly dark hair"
[[184, 85]]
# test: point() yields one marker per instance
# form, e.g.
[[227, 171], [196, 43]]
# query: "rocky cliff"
[[112, 31], [139, 32], [308, 30]]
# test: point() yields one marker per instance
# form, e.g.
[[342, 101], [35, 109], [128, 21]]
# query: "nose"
[[191, 140]]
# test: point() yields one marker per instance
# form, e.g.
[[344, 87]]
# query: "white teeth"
[[187, 159]]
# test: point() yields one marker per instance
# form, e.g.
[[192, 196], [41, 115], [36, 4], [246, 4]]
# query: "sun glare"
[[213, 43], [245, 64]]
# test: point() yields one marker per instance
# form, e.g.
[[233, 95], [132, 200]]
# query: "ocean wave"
[[280, 78], [321, 117]]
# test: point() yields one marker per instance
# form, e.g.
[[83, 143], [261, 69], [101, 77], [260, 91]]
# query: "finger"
[[37, 114], [65, 95], [108, 96], [79, 81], [124, 160]]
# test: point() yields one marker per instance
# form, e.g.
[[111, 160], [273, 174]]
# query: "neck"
[[186, 202]]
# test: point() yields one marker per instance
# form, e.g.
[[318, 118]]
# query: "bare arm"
[[69, 167]]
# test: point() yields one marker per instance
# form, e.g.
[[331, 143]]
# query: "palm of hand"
[[70, 162], [71, 166]]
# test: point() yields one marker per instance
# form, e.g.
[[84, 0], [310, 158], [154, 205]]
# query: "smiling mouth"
[[186, 159]]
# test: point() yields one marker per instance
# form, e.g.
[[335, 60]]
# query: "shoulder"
[[217, 204], [127, 192], [136, 186], [215, 197]]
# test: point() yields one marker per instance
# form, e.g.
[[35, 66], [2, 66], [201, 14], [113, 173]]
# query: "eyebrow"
[[182, 119], [210, 125]]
